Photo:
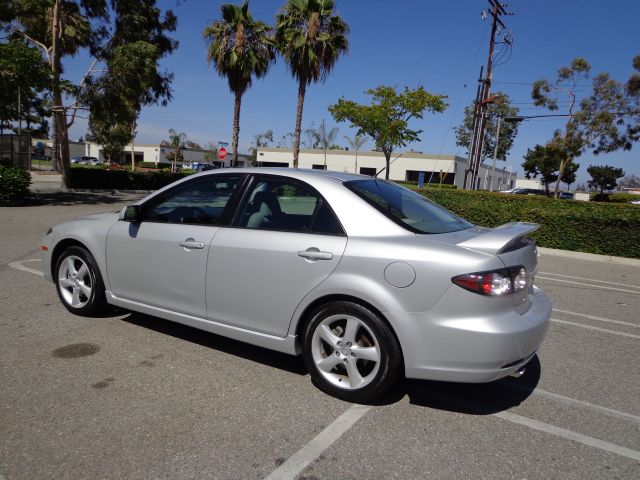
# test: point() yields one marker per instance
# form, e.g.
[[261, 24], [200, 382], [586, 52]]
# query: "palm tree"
[[240, 48], [356, 143], [177, 141], [324, 138], [310, 38]]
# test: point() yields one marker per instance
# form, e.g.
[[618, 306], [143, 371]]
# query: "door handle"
[[191, 244], [315, 254]]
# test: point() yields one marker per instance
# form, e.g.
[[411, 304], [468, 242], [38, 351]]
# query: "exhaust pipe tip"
[[518, 373]]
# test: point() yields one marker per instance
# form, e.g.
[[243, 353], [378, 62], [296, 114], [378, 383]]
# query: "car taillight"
[[494, 283]]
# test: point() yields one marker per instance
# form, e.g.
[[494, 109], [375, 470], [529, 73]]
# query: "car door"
[[285, 240], [161, 260]]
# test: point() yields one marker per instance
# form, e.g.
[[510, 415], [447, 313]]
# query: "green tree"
[[59, 28], [544, 161], [605, 121], [604, 177], [177, 142], [324, 137], [499, 106], [386, 120], [240, 48], [311, 38], [24, 77], [356, 144]]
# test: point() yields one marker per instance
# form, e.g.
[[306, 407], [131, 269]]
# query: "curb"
[[552, 252]]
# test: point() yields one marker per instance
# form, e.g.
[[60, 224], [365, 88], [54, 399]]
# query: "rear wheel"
[[79, 283], [350, 352]]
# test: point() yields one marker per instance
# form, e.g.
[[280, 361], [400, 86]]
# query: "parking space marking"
[[601, 287], [590, 327], [312, 450], [595, 317], [590, 279], [19, 266], [569, 434], [573, 401]]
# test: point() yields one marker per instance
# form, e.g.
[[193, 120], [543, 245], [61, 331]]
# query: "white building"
[[406, 166]]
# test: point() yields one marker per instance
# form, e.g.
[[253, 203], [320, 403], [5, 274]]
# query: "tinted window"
[[407, 208], [279, 204], [200, 201]]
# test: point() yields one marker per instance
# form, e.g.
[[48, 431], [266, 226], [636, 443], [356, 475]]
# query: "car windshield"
[[407, 208]]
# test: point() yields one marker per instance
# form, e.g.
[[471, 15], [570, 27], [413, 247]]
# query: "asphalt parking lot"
[[132, 396]]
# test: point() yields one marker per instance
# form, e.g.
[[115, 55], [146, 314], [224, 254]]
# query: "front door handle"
[[191, 244], [315, 254]]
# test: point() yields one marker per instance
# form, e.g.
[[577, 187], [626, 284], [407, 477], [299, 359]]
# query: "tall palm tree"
[[311, 39], [324, 138], [177, 141], [356, 143], [240, 48]]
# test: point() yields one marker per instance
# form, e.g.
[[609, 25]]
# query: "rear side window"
[[407, 208]]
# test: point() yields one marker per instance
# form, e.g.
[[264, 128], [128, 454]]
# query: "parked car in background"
[[366, 279], [85, 160]]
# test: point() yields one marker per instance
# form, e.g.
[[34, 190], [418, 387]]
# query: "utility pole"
[[480, 116]]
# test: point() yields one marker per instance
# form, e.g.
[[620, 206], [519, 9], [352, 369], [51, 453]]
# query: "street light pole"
[[495, 154]]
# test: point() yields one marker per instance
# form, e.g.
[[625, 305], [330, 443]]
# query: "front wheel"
[[79, 283], [350, 352]]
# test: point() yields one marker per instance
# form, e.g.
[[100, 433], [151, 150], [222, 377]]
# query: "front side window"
[[280, 204], [407, 208], [200, 201]]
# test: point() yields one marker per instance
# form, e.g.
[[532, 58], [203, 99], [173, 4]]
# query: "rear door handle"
[[315, 254], [191, 244]]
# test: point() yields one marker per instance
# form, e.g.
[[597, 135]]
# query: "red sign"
[[222, 153]]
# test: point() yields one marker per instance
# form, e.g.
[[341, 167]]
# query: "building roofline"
[[369, 153]]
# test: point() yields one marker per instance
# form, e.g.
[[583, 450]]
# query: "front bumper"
[[476, 347]]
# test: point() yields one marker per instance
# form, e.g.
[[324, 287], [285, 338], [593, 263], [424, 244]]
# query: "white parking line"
[[312, 450], [589, 327], [590, 279], [19, 266], [572, 401], [571, 435], [602, 287], [595, 317]]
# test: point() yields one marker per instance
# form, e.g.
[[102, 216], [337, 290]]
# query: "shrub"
[[121, 179], [159, 166], [615, 197], [602, 228], [14, 183]]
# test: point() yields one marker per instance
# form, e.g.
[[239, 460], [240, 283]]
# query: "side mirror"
[[132, 214]]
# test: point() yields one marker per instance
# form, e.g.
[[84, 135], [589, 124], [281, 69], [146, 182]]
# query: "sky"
[[437, 44]]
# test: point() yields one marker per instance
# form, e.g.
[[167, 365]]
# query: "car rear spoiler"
[[498, 240]]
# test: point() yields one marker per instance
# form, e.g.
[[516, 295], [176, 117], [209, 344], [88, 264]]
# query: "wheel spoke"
[[355, 379], [71, 268], [328, 363], [66, 283], [351, 330], [366, 353], [83, 270], [75, 300], [85, 290], [327, 335]]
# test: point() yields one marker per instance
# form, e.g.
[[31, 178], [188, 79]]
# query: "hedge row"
[[607, 229], [615, 197], [14, 183], [120, 179]]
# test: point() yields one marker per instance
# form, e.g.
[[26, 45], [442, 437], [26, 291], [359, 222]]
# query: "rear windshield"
[[407, 208]]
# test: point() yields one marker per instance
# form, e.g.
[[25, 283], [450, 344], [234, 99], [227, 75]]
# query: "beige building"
[[405, 166]]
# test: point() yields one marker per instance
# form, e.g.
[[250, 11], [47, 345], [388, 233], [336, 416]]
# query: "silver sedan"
[[366, 279]]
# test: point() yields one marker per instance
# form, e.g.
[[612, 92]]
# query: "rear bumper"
[[475, 348]]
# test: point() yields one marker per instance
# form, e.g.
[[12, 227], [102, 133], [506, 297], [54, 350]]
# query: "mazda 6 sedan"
[[367, 280]]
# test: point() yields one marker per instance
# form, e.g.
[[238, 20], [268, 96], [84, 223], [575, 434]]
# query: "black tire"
[[93, 304], [390, 355]]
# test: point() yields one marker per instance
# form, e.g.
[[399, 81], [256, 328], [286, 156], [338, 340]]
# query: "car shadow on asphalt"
[[247, 351], [467, 398], [74, 198]]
